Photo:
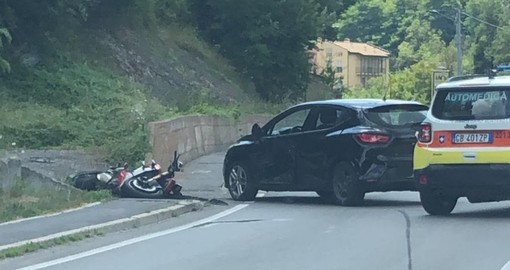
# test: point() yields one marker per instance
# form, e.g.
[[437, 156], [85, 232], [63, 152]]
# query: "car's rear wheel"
[[437, 204], [241, 182], [346, 189]]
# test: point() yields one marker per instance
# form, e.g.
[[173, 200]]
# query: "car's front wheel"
[[346, 189], [436, 204], [241, 182]]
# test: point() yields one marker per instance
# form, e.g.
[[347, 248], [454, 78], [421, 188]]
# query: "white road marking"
[[506, 266], [91, 228], [134, 240], [50, 215], [260, 194], [208, 225], [201, 172]]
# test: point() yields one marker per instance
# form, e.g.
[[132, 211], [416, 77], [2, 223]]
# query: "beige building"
[[354, 62]]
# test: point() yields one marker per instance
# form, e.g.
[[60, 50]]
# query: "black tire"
[[437, 205], [85, 180], [131, 189], [240, 182], [346, 189]]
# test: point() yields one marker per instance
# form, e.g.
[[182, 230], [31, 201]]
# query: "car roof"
[[361, 103], [484, 81]]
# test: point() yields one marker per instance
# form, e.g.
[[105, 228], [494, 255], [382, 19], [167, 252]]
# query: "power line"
[[469, 15], [442, 14], [482, 21]]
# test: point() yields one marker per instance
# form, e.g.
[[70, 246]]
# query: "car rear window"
[[469, 104], [397, 115]]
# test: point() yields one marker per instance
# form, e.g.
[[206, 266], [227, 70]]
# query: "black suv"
[[339, 148]]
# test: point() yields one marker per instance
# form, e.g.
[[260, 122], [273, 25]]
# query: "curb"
[[120, 224], [50, 215]]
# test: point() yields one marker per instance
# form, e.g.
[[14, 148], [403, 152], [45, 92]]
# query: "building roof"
[[362, 48]]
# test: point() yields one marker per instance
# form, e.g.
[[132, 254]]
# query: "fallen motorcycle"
[[148, 181]]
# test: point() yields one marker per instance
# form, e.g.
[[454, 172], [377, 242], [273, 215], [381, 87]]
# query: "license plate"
[[472, 138]]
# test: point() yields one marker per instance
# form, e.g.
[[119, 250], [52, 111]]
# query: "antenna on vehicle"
[[387, 88]]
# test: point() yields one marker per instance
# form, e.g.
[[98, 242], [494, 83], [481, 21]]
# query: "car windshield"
[[397, 115], [481, 104]]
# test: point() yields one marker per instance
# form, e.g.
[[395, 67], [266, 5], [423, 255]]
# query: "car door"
[[279, 145], [316, 144]]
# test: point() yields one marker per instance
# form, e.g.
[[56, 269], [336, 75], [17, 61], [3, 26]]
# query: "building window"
[[338, 66], [373, 66]]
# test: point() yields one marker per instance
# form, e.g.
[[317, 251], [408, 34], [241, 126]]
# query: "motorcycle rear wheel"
[[132, 189]]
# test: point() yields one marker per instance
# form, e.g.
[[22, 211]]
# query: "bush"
[[107, 112], [31, 126]]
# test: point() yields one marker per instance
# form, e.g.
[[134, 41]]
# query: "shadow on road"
[[312, 200], [485, 213], [293, 200], [389, 203]]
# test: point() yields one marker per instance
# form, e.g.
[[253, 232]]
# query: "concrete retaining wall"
[[12, 170], [197, 135], [192, 136]]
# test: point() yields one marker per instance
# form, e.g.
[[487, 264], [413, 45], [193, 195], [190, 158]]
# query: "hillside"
[[174, 65], [90, 74], [85, 86]]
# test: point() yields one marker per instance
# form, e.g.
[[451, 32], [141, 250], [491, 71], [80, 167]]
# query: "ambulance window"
[[472, 104]]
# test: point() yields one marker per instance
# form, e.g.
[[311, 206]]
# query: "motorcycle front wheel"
[[133, 188]]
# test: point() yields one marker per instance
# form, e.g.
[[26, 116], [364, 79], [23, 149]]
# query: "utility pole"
[[458, 31], [458, 21]]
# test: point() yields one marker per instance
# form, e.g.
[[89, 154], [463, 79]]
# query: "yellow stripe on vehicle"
[[425, 156]]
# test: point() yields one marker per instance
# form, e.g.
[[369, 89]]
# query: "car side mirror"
[[256, 131]]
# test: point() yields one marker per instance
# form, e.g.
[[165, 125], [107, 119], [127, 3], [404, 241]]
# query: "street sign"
[[438, 77]]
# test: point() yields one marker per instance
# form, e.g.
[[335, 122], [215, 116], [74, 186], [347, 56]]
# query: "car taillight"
[[425, 133], [373, 138]]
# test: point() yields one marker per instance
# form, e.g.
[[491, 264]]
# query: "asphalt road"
[[292, 232], [299, 231]]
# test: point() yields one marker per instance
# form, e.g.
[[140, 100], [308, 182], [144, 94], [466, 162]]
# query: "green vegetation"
[[32, 247], [92, 73], [5, 36], [266, 40], [420, 36], [23, 201], [67, 90], [73, 105]]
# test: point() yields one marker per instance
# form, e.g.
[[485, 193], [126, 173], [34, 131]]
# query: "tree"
[[481, 35], [266, 40], [489, 33], [335, 8], [370, 21], [5, 36]]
